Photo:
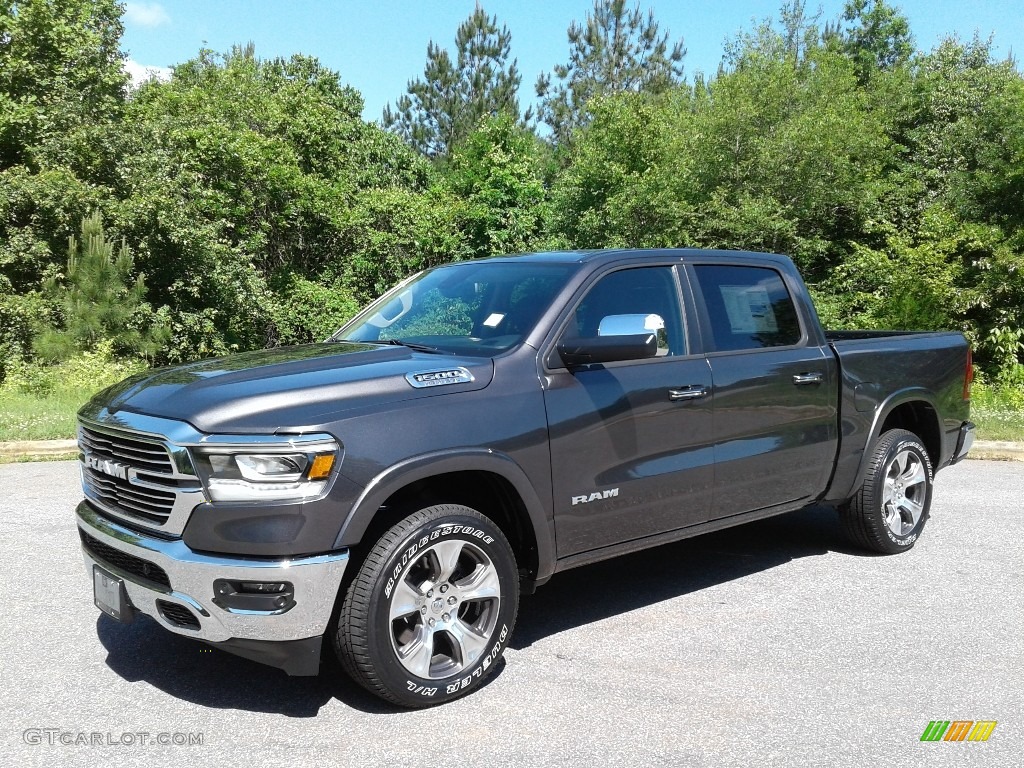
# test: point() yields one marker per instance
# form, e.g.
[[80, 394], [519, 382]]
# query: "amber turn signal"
[[321, 466]]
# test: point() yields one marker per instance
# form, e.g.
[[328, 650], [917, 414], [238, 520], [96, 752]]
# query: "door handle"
[[693, 392], [808, 378]]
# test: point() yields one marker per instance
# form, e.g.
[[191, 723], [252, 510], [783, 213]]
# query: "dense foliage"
[[262, 209]]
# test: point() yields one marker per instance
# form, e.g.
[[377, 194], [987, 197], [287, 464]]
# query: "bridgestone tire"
[[891, 508], [430, 611]]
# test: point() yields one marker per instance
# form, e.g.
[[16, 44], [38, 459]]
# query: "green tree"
[[392, 233], [99, 300], [61, 88], [877, 36], [498, 175], [778, 154], [790, 37], [611, 194], [449, 101], [242, 178], [60, 75], [960, 128], [617, 50]]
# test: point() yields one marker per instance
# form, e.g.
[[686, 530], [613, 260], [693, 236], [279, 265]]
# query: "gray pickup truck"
[[483, 426]]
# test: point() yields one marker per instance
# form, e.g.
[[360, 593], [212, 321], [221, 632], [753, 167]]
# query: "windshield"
[[477, 307]]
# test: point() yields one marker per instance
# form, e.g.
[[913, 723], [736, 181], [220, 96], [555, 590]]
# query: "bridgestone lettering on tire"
[[890, 510], [431, 609]]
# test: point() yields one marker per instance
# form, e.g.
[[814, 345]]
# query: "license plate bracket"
[[110, 596]]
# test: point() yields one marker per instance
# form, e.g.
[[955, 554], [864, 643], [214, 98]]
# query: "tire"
[[431, 609], [890, 510]]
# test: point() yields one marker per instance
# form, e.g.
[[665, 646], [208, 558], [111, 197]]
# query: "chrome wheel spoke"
[[888, 493], [447, 554], [404, 600], [416, 654], [469, 642], [444, 608], [914, 475], [913, 508], [899, 464], [482, 584], [892, 517], [904, 492]]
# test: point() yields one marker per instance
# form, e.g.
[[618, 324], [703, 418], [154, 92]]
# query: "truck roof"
[[615, 254]]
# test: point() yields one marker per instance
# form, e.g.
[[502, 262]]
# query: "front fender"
[[393, 479]]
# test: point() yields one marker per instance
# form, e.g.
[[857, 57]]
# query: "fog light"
[[261, 586], [265, 596]]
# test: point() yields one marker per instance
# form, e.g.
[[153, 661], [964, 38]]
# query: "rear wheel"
[[890, 510], [431, 609]]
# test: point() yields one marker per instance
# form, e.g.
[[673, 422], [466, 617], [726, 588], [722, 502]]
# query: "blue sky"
[[378, 45]]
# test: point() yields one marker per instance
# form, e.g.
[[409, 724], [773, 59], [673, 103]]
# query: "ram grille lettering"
[[107, 467]]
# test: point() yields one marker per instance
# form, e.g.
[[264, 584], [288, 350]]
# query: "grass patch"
[[32, 459], [998, 413], [25, 416], [39, 402]]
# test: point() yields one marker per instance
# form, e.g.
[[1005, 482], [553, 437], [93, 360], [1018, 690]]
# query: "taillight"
[[969, 374]]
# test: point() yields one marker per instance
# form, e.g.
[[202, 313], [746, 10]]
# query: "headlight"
[[285, 470]]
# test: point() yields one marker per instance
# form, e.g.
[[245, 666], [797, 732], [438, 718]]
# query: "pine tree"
[[617, 50], [446, 105], [99, 300]]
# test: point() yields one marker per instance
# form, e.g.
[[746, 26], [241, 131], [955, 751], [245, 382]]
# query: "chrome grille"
[[138, 477], [152, 505], [151, 457]]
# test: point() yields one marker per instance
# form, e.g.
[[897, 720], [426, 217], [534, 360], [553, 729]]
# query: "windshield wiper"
[[400, 343]]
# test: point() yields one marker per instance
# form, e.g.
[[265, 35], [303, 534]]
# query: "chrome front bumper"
[[316, 580]]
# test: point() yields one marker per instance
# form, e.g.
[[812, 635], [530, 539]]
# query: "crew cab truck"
[[483, 426]]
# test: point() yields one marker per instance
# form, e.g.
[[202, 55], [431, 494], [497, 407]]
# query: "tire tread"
[[860, 521], [351, 641]]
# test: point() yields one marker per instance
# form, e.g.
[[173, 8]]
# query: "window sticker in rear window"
[[749, 309]]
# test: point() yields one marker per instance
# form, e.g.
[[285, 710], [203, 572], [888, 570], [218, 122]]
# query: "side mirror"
[[619, 337], [629, 325], [608, 349]]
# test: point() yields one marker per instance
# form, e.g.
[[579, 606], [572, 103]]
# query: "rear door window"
[[749, 307]]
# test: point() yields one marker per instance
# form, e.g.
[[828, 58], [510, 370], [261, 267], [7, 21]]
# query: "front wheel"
[[890, 510], [431, 609]]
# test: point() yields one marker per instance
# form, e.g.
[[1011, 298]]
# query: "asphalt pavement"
[[771, 644]]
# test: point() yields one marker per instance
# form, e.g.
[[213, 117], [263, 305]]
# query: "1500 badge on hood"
[[439, 377]]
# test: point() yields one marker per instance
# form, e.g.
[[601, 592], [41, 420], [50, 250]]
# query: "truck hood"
[[288, 388]]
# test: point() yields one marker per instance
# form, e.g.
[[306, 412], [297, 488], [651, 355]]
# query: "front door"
[[631, 441]]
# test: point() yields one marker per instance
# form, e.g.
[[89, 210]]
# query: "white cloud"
[[146, 14], [140, 73]]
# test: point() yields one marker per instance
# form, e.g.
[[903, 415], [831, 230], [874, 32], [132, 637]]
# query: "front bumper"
[[159, 572]]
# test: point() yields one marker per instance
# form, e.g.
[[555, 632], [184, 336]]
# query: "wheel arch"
[[488, 481], [913, 409]]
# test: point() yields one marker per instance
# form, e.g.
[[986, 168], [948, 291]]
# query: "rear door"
[[775, 417], [631, 441]]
